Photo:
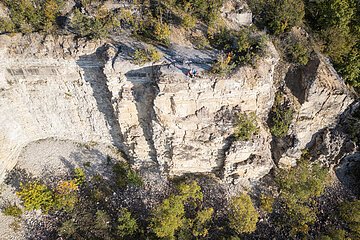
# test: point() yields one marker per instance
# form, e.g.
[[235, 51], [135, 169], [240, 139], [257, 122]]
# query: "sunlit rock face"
[[90, 91]]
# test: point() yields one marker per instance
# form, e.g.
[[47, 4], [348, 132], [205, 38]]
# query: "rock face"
[[90, 91], [319, 96]]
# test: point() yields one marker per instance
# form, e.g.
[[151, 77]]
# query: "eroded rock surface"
[[157, 116]]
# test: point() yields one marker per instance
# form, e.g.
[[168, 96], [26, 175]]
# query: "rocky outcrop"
[[319, 96], [157, 116]]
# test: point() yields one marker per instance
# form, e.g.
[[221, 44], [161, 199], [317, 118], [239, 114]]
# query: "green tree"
[[168, 217], [278, 15], [299, 188], [243, 215]]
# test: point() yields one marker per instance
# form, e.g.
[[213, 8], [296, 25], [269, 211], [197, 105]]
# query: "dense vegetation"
[[81, 206], [334, 24]]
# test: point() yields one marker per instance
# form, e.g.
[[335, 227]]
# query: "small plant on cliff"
[[142, 56], [280, 116], [11, 209], [246, 126]]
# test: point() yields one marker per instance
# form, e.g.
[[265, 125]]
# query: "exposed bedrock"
[[160, 119]]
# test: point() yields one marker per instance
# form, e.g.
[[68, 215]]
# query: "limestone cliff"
[[58, 87]]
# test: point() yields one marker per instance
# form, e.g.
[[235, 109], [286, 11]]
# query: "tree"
[[127, 225], [169, 218], [243, 215], [279, 15], [299, 187]]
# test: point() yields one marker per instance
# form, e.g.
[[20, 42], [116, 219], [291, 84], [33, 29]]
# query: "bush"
[[97, 27], [298, 53], [266, 203], [36, 196], [188, 21], [168, 217], [79, 177], [246, 126], [337, 25], [127, 225], [124, 175], [161, 32], [242, 46], [67, 229], [66, 195], [6, 25], [281, 116], [142, 56], [11, 210], [222, 66], [243, 215], [33, 15], [207, 10]]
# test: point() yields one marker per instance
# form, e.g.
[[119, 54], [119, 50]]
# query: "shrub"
[[67, 229], [188, 21], [124, 175], [337, 25], [11, 210], [222, 66], [66, 195], [33, 15], [207, 10], [266, 203], [244, 46], [243, 215], [281, 116], [246, 126], [161, 32], [127, 225], [79, 176], [298, 53], [97, 27], [6, 25], [36, 196], [199, 225], [142, 56]]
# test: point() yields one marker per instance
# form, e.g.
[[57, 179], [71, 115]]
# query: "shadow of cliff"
[[93, 66], [144, 91], [299, 78]]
